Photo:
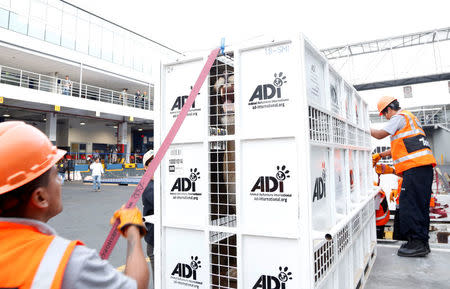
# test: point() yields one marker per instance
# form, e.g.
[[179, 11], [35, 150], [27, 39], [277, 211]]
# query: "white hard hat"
[[148, 155]]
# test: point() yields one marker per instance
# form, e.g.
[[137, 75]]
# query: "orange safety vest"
[[382, 214], [30, 259], [409, 145]]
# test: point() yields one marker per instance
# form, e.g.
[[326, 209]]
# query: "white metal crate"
[[265, 185]]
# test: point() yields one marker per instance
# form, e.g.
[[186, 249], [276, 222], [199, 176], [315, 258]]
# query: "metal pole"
[[445, 115], [81, 77], [20, 79]]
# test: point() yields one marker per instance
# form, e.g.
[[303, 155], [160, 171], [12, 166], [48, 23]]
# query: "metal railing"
[[431, 115], [42, 82]]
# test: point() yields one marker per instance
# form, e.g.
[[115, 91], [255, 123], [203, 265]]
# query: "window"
[[95, 38], [137, 56], [18, 23], [118, 48], [68, 30], [4, 18], [53, 30], [38, 10], [107, 45], [82, 35], [128, 52], [5, 3], [21, 7], [36, 29]]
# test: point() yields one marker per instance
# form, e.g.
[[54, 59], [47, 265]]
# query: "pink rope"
[[114, 234]]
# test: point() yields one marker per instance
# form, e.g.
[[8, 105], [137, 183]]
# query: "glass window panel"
[[38, 10], [147, 64], [5, 4], [4, 18], [83, 15], [107, 45], [128, 53], [20, 7], [54, 17], [137, 57], [55, 3], [36, 29], [82, 36], [69, 9], [68, 31], [95, 40], [18, 23], [53, 35], [118, 48]]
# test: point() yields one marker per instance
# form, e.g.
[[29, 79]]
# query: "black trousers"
[[380, 232], [414, 210]]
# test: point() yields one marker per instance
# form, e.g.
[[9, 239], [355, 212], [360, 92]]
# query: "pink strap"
[[113, 236]]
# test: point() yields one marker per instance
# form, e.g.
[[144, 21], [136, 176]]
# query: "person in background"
[[32, 255], [414, 161], [148, 203], [123, 96], [137, 98], [67, 86], [70, 167], [97, 173], [144, 100]]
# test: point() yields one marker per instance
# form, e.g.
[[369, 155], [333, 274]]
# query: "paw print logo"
[[279, 79], [195, 263], [282, 173], [194, 175], [284, 274]]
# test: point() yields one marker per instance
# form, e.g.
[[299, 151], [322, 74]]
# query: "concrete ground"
[[86, 217], [391, 271]]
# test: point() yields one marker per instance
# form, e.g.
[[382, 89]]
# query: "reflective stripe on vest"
[[382, 217], [409, 146], [414, 129], [412, 156], [49, 265]]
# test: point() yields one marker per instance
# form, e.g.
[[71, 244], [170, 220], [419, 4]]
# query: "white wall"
[[93, 132]]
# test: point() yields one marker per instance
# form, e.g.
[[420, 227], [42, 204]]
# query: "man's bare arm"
[[136, 266], [378, 133]]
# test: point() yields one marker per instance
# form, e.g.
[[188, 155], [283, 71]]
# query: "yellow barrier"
[[130, 166]]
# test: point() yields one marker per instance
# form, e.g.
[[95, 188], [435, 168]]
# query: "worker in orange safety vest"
[[32, 255], [414, 161], [382, 214]]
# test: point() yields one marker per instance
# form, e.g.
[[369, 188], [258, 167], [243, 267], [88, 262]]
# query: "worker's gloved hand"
[[128, 217], [384, 169], [394, 195], [375, 158]]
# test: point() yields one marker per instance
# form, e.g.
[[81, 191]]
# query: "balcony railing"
[[32, 80], [431, 115]]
